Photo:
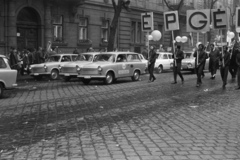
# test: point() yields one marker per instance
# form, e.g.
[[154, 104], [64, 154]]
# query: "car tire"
[[66, 79], [86, 81], [1, 90], [160, 69], [38, 78], [109, 78], [136, 76], [54, 74]]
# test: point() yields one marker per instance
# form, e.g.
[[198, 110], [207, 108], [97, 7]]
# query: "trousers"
[[150, 70], [177, 71], [224, 74], [199, 71]]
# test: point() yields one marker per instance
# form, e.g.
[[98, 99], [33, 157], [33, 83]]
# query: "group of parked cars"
[[105, 66]]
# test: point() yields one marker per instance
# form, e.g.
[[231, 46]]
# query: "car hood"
[[47, 64], [73, 64], [188, 60], [97, 64]]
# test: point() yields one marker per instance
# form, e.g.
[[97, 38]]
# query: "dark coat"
[[179, 55], [13, 60], [202, 55], [238, 58], [152, 56], [214, 57], [226, 58], [233, 58]]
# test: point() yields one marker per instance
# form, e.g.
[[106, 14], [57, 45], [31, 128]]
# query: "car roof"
[[91, 53], [119, 52], [164, 53], [63, 54]]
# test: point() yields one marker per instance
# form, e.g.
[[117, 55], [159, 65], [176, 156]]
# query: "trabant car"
[[8, 76], [110, 66], [188, 63], [50, 67], [69, 70], [163, 61]]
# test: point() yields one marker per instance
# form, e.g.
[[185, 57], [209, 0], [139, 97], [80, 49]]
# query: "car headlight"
[[45, 67], [78, 68], [189, 64], [171, 65], [60, 68], [30, 68], [100, 69]]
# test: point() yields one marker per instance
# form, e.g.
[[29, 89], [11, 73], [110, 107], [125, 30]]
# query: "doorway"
[[28, 29]]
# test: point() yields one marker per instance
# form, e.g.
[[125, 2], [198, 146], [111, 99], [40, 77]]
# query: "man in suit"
[[233, 67], [225, 63], [200, 57], [238, 64], [151, 63], [214, 56], [177, 64]]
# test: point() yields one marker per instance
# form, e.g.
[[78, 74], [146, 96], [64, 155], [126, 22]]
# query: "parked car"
[[188, 63], [50, 67], [8, 77], [110, 66], [164, 61], [69, 70], [144, 60]]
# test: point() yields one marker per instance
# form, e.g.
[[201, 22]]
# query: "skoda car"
[[110, 66], [164, 61], [50, 67]]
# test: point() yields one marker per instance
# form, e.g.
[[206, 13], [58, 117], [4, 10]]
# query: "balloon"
[[203, 32], [156, 35], [231, 35], [184, 39], [178, 39], [238, 30], [150, 37]]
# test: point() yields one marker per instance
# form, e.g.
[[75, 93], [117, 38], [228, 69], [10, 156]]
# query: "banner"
[[198, 20], [171, 21], [238, 19], [219, 19], [147, 21]]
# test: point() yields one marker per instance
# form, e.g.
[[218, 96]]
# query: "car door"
[[123, 66], [165, 61], [134, 62], [74, 57]]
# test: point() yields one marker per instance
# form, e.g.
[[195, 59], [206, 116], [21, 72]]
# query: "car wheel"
[[136, 76], [54, 74], [38, 78], [66, 79], [160, 69], [1, 90], [86, 81], [109, 78]]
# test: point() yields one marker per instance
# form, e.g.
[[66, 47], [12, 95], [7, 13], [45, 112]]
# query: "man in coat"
[[238, 64], [200, 57], [214, 56], [233, 67], [178, 56], [151, 63], [225, 63]]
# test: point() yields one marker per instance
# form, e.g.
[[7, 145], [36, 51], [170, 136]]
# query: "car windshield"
[[188, 55], [84, 57], [53, 59], [105, 58]]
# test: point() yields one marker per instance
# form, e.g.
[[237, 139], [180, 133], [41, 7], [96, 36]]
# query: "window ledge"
[[59, 44], [137, 44]]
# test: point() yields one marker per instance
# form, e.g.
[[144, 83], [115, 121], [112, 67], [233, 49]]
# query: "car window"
[[53, 59], [104, 58], [140, 56], [133, 58], [159, 56], [165, 56], [74, 57], [188, 55], [121, 58], [2, 63], [66, 59], [169, 56]]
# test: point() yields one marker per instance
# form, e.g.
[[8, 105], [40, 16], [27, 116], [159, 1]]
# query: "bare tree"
[[113, 27]]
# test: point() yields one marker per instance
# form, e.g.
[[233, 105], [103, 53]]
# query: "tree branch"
[[114, 5], [180, 5], [213, 2], [165, 1]]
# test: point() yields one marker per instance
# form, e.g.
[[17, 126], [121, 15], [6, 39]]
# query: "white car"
[[8, 76], [164, 61]]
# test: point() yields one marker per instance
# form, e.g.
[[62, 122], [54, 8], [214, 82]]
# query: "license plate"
[[87, 77], [36, 74], [66, 74]]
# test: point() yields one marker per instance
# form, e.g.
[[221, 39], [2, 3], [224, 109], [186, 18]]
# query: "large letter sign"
[[147, 21], [198, 20], [219, 18], [171, 21], [238, 19]]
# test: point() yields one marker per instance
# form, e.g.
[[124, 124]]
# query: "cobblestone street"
[[48, 120]]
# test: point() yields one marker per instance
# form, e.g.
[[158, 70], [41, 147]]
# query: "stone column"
[[48, 24], [12, 27]]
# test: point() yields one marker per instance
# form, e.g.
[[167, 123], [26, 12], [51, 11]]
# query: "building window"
[[105, 30], [58, 28], [83, 29], [136, 32]]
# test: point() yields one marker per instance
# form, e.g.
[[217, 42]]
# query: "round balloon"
[[156, 35], [238, 30], [178, 39], [184, 39], [231, 35], [150, 37]]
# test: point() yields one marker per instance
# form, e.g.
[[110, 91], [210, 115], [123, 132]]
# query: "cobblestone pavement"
[[48, 120]]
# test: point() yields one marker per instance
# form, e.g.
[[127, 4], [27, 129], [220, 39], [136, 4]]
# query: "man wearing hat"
[[225, 62], [200, 57]]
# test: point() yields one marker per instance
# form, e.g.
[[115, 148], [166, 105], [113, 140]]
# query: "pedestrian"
[[145, 53], [151, 63], [75, 51], [177, 64], [233, 68], [25, 65], [90, 49], [238, 64], [214, 56], [38, 56], [30, 56], [200, 57], [203, 75], [225, 63]]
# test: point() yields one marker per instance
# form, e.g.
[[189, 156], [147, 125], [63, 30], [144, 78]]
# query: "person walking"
[[151, 64], [75, 51], [225, 63], [200, 57], [238, 65], [177, 64], [233, 68], [38, 56], [214, 56]]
